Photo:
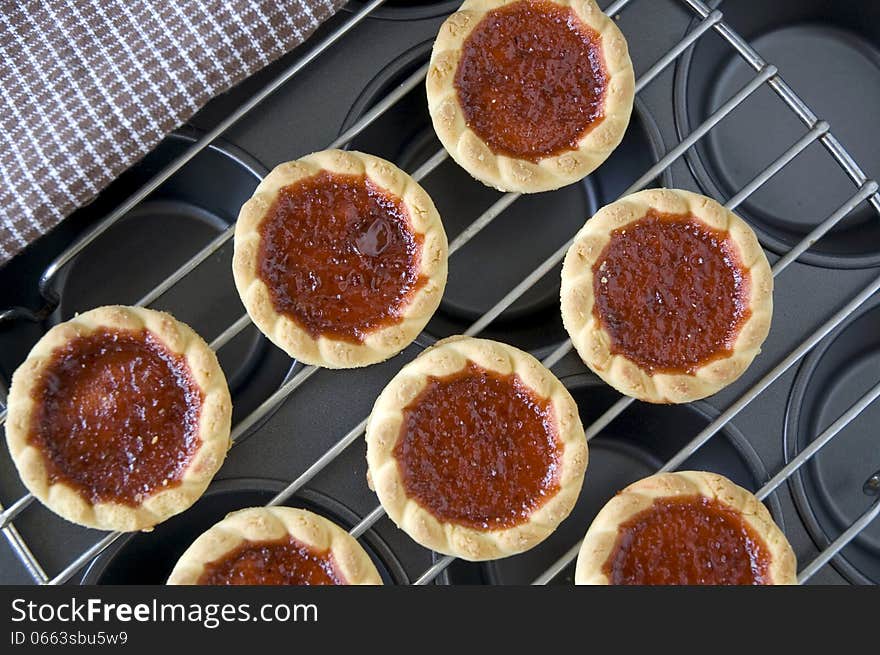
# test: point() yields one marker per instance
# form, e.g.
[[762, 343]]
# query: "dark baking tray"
[[310, 111]]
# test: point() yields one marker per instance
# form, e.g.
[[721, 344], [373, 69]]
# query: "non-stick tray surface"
[[811, 41]]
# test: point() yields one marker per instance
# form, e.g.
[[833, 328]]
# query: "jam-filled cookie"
[[685, 528], [667, 295], [340, 258], [530, 95], [119, 418], [275, 546], [476, 450]]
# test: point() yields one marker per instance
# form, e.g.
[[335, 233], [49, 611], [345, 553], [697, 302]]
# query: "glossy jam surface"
[[671, 292], [688, 540], [339, 256], [479, 449], [283, 561], [116, 416], [531, 80]]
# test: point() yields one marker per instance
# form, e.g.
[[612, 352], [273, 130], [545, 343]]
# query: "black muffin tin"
[[830, 54]]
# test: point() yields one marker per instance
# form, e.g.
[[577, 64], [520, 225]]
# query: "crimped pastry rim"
[[268, 523], [286, 333], [510, 173], [214, 421], [383, 431], [592, 341], [602, 535]]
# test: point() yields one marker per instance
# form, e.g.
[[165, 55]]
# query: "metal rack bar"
[[754, 184], [845, 419], [722, 420], [708, 22], [188, 267], [230, 333], [838, 544], [264, 408], [270, 403], [789, 97], [615, 7], [227, 335], [556, 356], [31, 564], [365, 121], [242, 322], [770, 377], [744, 400], [85, 558], [639, 184], [866, 190], [472, 230], [436, 159], [559, 565], [367, 522], [320, 463], [819, 442], [608, 416], [57, 264], [502, 203], [766, 73], [237, 432], [483, 220], [434, 570], [815, 132], [351, 133], [15, 509]]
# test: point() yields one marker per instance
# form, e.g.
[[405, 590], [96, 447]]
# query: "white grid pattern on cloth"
[[57, 135], [88, 87], [108, 76]]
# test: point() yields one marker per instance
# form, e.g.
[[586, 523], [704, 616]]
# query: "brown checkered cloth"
[[88, 87]]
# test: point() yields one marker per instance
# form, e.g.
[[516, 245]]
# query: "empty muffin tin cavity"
[[830, 490], [160, 234], [149, 557], [830, 53]]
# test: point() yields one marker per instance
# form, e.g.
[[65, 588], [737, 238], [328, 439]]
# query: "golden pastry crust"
[[514, 174], [270, 523], [286, 333], [384, 429], [591, 339], [602, 535], [214, 421]]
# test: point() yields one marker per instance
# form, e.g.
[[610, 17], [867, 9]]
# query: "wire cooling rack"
[[765, 74]]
